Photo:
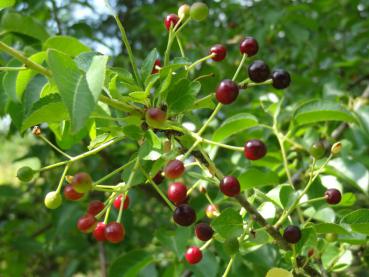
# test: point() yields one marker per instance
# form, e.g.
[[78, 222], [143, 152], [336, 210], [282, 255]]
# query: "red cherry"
[[227, 92], [333, 196], [230, 186], [171, 19], [220, 52], [82, 182], [193, 255], [154, 69], [99, 232], [158, 178], [86, 223], [249, 46], [174, 169], [255, 149], [95, 207], [203, 231], [71, 194], [115, 232], [118, 201], [177, 193]]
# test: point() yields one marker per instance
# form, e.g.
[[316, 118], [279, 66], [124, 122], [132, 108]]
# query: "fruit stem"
[[54, 146], [108, 209], [202, 248], [61, 181], [119, 218], [312, 201], [111, 174], [229, 266], [267, 82], [180, 46], [116, 104], [5, 68], [203, 77], [200, 61], [284, 156], [244, 57]]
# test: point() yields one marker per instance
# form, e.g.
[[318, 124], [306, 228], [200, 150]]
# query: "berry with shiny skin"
[[193, 255], [184, 215], [258, 71], [203, 231], [158, 178], [99, 232], [155, 117], [333, 196], [82, 182], [292, 234], [177, 193], [280, 79], [53, 200], [227, 92], [255, 149], [249, 46], [154, 69], [70, 193], [95, 207], [25, 174], [199, 11], [220, 52], [211, 211], [114, 232], [118, 201], [86, 223], [317, 150], [174, 169], [184, 11], [230, 186], [171, 19]]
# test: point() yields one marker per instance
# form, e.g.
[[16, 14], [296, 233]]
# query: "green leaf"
[[324, 215], [234, 124], [182, 95], [308, 240], [6, 4], [151, 149], [95, 75], [66, 44], [130, 264], [23, 24], [148, 64], [348, 200], [44, 110], [278, 272], [256, 177], [287, 196], [324, 228], [228, 224], [358, 216], [204, 103], [321, 110]]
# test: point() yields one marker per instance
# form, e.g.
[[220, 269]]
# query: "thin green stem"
[[5, 68], [54, 146], [284, 157], [204, 77], [229, 266], [180, 46], [267, 82], [119, 105], [111, 174], [194, 187], [61, 181], [110, 203], [124, 196], [222, 145], [215, 112], [106, 206], [244, 57], [200, 61], [206, 245], [312, 201]]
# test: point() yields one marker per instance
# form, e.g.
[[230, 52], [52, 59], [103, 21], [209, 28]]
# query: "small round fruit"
[[227, 92], [118, 200], [220, 52], [193, 255], [333, 196], [158, 178], [199, 11], [154, 69], [231, 246], [174, 169], [280, 79], [259, 71], [25, 174], [171, 19], [53, 200], [254, 149], [155, 117], [82, 182], [177, 192], [249, 46], [184, 11], [336, 148], [203, 231], [71, 194], [230, 186], [211, 211], [95, 207], [317, 150], [86, 223], [184, 215], [331, 237], [292, 234], [99, 232], [114, 232]]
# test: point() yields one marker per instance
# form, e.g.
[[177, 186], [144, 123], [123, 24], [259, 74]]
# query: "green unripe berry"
[[184, 11], [331, 237], [25, 174], [317, 150], [53, 200], [155, 117], [231, 246], [199, 11]]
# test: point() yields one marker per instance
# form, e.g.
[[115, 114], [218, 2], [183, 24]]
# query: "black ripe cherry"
[[292, 234], [255, 149], [118, 200], [95, 206], [249, 46], [114, 232], [203, 231], [154, 69], [86, 223], [220, 52], [227, 92], [174, 169], [171, 19], [184, 215], [158, 178], [71, 194], [99, 232], [230, 186], [280, 79], [333, 196], [177, 193], [193, 255], [259, 71]]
